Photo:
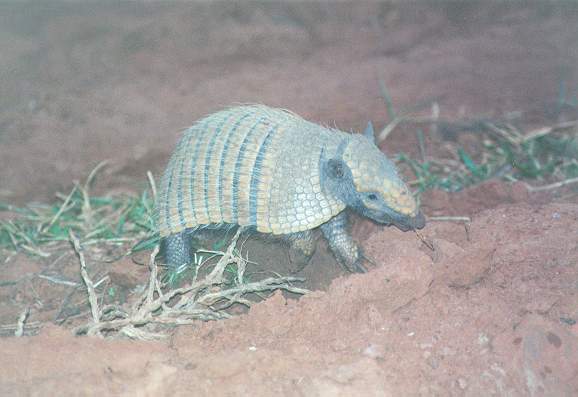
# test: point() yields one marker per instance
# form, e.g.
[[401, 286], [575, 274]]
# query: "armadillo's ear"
[[335, 168], [369, 133]]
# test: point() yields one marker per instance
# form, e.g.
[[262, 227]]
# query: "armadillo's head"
[[367, 181]]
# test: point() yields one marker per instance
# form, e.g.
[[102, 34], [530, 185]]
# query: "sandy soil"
[[486, 310]]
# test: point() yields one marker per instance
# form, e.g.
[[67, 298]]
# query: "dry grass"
[[545, 158], [159, 306], [112, 222]]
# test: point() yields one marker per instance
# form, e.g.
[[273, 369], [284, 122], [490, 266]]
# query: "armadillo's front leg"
[[178, 250], [344, 248]]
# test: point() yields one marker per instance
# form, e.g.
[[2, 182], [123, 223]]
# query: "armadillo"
[[274, 172]]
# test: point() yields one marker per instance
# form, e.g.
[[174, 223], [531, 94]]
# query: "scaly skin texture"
[[276, 173], [344, 248], [178, 250], [302, 248]]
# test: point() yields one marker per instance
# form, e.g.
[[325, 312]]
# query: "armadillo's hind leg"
[[342, 245], [302, 248], [177, 250]]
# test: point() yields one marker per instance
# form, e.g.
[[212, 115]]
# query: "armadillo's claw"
[[364, 258], [357, 266], [360, 265]]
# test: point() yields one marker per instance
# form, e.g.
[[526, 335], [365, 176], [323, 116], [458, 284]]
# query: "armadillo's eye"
[[372, 196]]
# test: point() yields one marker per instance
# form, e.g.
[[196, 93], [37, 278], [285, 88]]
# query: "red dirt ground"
[[486, 310]]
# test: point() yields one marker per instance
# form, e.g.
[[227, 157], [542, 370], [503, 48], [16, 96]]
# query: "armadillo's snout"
[[418, 221], [411, 223]]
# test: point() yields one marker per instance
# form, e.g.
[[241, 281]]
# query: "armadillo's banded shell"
[[248, 165]]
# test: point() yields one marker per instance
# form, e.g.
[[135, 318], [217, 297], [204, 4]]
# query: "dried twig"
[[552, 186], [93, 173], [216, 275], [388, 129], [57, 280], [153, 277], [152, 184], [92, 298], [21, 320], [548, 130], [60, 211], [205, 299], [424, 240], [465, 220], [87, 211], [450, 218]]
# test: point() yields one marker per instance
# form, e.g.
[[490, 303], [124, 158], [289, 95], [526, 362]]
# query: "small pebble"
[[556, 215], [374, 351], [433, 362], [483, 339], [448, 351], [462, 383]]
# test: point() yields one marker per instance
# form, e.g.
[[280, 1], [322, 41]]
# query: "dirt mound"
[[492, 311]]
